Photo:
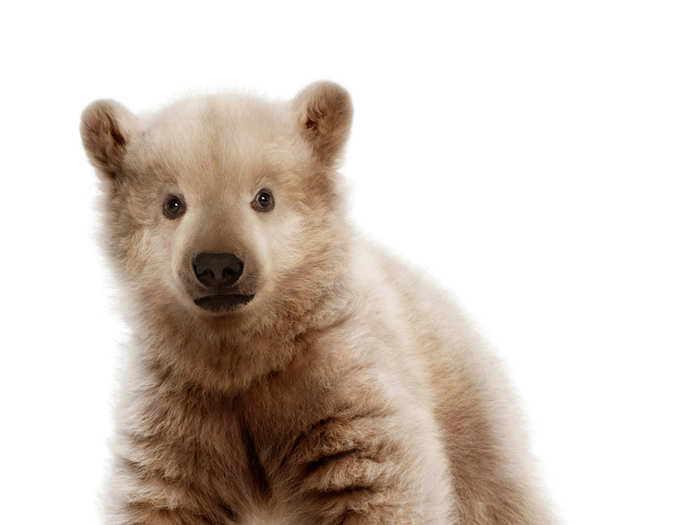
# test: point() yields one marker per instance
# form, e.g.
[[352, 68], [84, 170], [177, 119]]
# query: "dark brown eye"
[[173, 207], [264, 201]]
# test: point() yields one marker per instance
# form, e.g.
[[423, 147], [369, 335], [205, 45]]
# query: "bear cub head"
[[224, 206]]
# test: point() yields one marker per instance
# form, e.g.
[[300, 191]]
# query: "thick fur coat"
[[329, 383]]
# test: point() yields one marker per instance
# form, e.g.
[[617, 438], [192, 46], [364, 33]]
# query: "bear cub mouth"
[[223, 302]]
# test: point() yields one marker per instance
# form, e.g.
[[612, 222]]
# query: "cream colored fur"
[[349, 390]]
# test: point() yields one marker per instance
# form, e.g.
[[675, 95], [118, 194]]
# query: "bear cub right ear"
[[324, 112], [106, 127]]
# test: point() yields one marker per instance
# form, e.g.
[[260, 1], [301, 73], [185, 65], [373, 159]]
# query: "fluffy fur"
[[349, 390]]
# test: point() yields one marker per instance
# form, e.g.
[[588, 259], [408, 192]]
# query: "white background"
[[540, 159]]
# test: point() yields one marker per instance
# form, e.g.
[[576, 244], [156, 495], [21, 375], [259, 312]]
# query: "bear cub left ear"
[[106, 128], [324, 115]]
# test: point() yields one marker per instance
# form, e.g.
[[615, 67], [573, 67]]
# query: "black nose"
[[217, 270]]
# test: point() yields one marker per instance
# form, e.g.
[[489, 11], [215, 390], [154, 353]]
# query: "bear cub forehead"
[[218, 140]]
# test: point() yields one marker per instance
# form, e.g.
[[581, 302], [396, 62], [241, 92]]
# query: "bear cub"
[[282, 369]]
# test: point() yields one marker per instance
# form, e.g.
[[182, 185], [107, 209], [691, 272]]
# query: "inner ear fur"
[[324, 111], [106, 128]]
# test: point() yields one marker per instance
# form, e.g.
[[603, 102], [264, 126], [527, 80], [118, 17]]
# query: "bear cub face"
[[225, 205]]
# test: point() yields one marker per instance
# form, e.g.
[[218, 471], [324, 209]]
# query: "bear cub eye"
[[264, 201], [173, 207]]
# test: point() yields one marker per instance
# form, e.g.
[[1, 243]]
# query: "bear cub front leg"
[[369, 467]]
